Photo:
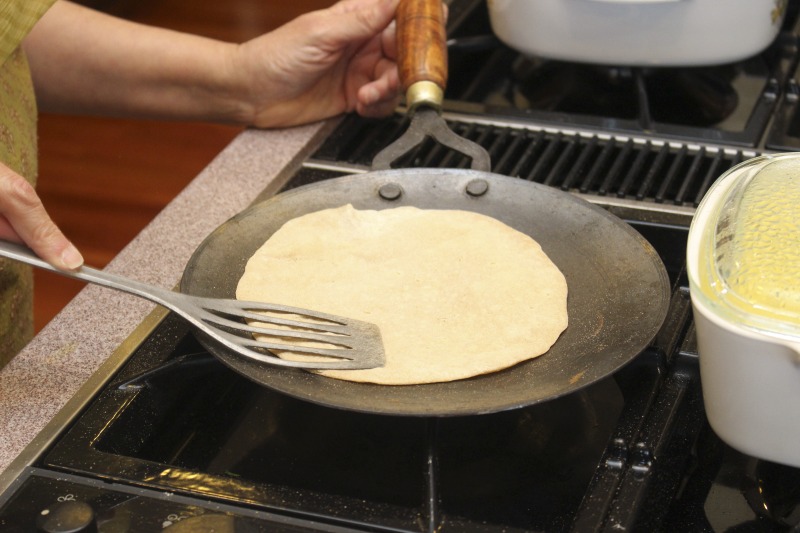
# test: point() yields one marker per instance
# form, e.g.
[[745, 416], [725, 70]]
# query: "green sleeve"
[[17, 17]]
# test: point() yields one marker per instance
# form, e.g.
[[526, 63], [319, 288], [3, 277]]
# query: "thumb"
[[24, 219]]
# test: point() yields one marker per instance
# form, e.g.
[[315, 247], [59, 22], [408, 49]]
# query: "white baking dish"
[[638, 32], [743, 262]]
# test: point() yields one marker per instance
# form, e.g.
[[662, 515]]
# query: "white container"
[[743, 262], [638, 32]]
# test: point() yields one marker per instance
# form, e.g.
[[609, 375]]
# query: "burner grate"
[[614, 166]]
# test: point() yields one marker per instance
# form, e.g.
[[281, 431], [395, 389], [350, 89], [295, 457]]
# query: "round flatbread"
[[455, 294]]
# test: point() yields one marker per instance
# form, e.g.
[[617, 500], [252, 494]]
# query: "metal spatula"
[[354, 344]]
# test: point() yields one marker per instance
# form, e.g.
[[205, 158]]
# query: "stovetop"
[[177, 441]]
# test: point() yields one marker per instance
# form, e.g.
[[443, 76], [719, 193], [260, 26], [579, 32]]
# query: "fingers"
[[24, 219], [389, 41], [323, 63], [381, 96]]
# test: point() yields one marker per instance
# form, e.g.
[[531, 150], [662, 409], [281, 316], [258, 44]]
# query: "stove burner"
[[528, 467], [687, 96]]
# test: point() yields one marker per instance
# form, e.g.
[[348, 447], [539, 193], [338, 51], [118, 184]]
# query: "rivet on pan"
[[477, 187], [390, 191]]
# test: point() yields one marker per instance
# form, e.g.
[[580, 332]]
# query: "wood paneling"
[[103, 180]]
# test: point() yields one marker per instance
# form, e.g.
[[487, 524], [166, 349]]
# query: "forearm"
[[83, 61]]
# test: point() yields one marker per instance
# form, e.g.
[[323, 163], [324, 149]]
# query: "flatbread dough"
[[455, 294]]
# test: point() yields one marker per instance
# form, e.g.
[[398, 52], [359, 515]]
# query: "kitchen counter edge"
[[49, 381]]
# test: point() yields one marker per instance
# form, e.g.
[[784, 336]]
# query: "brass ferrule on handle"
[[422, 52], [425, 93]]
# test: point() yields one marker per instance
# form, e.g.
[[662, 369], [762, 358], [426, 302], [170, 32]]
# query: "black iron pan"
[[618, 287]]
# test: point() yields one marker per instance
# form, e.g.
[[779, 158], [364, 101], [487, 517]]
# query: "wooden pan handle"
[[422, 51]]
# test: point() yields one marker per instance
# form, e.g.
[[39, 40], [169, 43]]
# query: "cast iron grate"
[[661, 172]]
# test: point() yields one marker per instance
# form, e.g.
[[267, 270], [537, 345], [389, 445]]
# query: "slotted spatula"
[[353, 343]]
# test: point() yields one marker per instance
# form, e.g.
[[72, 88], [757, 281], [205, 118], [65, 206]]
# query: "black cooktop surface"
[[633, 451]]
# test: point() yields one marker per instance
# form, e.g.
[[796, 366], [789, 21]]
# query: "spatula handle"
[[422, 51], [22, 253]]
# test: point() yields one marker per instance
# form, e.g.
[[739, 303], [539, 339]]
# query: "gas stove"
[[177, 441]]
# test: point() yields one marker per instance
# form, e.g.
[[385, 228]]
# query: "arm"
[[321, 64]]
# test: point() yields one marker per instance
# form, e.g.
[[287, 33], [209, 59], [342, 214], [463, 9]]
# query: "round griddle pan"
[[618, 287]]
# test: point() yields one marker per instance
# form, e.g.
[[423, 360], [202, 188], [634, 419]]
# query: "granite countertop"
[[38, 383]]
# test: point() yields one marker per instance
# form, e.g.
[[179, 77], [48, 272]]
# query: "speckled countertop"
[[38, 383]]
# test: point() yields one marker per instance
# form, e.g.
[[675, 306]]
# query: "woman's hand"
[[24, 219], [322, 64]]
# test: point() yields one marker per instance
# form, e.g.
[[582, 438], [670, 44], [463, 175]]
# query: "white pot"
[[638, 32], [749, 338]]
